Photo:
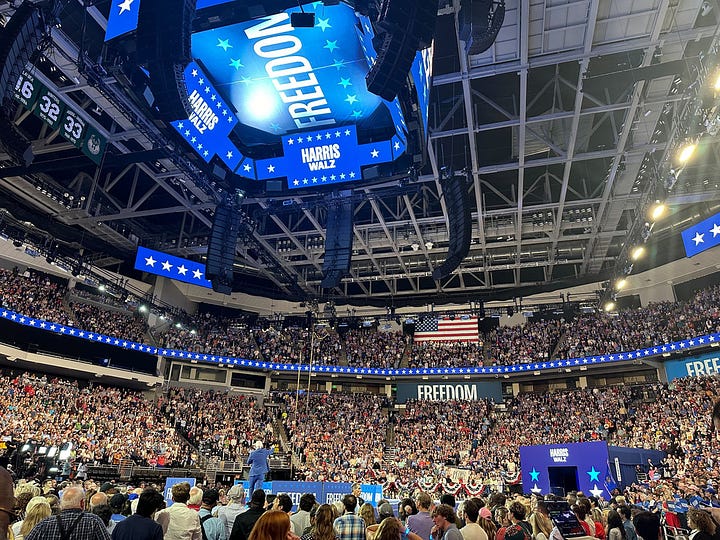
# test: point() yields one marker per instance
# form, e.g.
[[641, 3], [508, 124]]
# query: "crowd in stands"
[[211, 334], [110, 322], [346, 437], [337, 436], [426, 354], [219, 424], [104, 424], [33, 294], [38, 295], [521, 344], [367, 347]]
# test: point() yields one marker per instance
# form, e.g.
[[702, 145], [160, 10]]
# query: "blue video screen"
[[256, 88], [171, 267]]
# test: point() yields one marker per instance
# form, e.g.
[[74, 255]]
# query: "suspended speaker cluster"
[[163, 44], [405, 27], [338, 242], [457, 202]]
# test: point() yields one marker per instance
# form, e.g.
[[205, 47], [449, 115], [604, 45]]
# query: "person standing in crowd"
[[300, 520], [272, 525], [213, 528], [616, 530], [422, 522], [35, 514], [73, 521], [444, 520], [258, 461], [625, 515], [472, 531], [357, 490], [179, 522], [647, 525], [140, 525], [702, 526], [235, 507], [195, 500], [7, 502], [322, 528], [245, 522], [349, 526]]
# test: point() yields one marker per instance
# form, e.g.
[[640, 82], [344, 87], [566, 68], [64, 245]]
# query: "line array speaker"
[[457, 201]]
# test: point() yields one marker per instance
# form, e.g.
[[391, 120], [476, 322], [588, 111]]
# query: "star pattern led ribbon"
[[18, 318]]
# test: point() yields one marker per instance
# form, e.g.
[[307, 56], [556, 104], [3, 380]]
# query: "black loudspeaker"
[[480, 24], [221, 248], [163, 44], [19, 39], [389, 73], [457, 201], [338, 243]]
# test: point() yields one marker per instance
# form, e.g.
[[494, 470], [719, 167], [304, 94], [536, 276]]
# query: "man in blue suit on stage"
[[258, 461]]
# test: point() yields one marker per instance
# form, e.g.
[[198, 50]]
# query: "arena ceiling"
[[566, 125]]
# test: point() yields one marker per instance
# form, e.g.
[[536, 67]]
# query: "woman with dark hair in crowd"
[[406, 508], [503, 520], [581, 514], [615, 528]]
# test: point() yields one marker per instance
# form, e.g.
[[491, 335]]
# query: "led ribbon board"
[[702, 236], [171, 267]]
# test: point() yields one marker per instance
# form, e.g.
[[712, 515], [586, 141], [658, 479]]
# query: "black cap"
[[258, 497], [211, 496]]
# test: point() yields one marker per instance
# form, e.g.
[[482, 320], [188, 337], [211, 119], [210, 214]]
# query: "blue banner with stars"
[[323, 157], [702, 236], [211, 121], [171, 267]]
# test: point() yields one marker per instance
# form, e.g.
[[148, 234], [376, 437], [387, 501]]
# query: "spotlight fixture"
[[686, 152], [657, 211], [609, 306], [637, 253], [620, 284]]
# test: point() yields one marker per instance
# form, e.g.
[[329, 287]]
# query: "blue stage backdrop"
[[325, 492], [557, 468]]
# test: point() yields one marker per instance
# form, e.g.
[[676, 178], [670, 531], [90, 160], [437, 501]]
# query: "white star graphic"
[[182, 270], [698, 239], [149, 261], [197, 274], [374, 153], [271, 168], [229, 155], [167, 266], [715, 230], [291, 141], [247, 167], [125, 6], [397, 145], [194, 72], [596, 492]]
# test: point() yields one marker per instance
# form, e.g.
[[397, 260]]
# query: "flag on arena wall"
[[457, 329]]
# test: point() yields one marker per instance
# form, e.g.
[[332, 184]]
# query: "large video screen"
[[262, 87]]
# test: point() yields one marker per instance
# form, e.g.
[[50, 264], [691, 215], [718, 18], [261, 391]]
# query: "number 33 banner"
[[48, 106]]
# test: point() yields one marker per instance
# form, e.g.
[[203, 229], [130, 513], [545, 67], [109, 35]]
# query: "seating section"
[[39, 295]]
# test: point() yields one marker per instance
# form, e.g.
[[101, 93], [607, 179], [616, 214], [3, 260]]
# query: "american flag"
[[460, 329]]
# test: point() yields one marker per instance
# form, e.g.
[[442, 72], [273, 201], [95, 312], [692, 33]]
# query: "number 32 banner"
[[48, 106]]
